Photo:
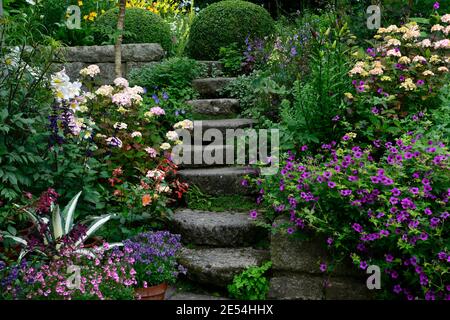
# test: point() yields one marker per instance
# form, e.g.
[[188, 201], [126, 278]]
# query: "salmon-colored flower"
[[146, 200]]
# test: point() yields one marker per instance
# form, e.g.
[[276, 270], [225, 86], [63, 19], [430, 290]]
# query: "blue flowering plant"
[[154, 256], [385, 205]]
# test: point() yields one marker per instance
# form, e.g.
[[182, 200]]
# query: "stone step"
[[217, 229], [206, 155], [218, 181], [218, 266], [223, 124], [214, 107], [210, 87]]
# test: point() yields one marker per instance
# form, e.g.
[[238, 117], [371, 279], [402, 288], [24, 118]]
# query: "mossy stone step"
[[214, 107], [217, 229], [211, 87], [218, 266], [218, 181]]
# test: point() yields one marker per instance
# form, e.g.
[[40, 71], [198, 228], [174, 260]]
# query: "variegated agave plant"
[[61, 225]]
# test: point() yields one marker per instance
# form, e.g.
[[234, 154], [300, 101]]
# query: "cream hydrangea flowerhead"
[[442, 44], [90, 71], [419, 59], [121, 82], [394, 53], [185, 124], [105, 91], [428, 73], [120, 126], [122, 99], [165, 146], [425, 43], [408, 85], [359, 68], [437, 27], [136, 134], [134, 93], [404, 60], [172, 135], [435, 59], [446, 18], [446, 30], [394, 42]]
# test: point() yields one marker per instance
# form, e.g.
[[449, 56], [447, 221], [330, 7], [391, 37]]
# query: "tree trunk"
[[118, 44]]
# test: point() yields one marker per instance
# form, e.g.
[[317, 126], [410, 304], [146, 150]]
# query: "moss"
[[224, 23]]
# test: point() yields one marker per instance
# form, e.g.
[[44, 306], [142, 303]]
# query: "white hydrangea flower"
[[90, 71], [165, 146], [121, 82], [172, 135], [120, 126]]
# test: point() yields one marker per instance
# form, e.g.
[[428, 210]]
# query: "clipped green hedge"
[[224, 23], [141, 26]]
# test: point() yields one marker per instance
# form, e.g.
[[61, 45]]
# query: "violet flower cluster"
[[388, 204], [154, 255]]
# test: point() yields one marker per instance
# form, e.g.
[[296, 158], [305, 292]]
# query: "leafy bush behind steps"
[[141, 26], [224, 23]]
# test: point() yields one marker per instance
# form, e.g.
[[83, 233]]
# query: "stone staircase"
[[219, 245]]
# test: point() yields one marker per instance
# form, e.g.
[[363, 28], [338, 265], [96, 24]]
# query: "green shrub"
[[173, 73], [251, 284], [53, 12], [141, 26], [221, 24]]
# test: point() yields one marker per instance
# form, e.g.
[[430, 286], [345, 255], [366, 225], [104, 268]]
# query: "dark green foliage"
[[251, 284], [224, 23], [141, 26], [53, 12], [231, 58], [24, 103], [173, 73]]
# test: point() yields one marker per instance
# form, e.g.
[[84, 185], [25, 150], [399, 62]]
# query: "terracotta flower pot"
[[152, 293]]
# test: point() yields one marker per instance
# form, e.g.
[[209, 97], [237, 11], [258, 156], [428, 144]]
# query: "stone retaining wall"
[[133, 56], [296, 273]]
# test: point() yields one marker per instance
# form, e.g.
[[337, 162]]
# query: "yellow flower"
[[404, 60], [80, 3], [386, 78], [122, 110], [428, 73], [348, 95], [435, 59]]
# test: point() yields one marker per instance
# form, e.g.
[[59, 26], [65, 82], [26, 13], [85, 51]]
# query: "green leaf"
[[68, 213]]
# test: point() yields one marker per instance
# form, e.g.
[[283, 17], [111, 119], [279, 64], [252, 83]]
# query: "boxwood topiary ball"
[[226, 22], [141, 26]]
